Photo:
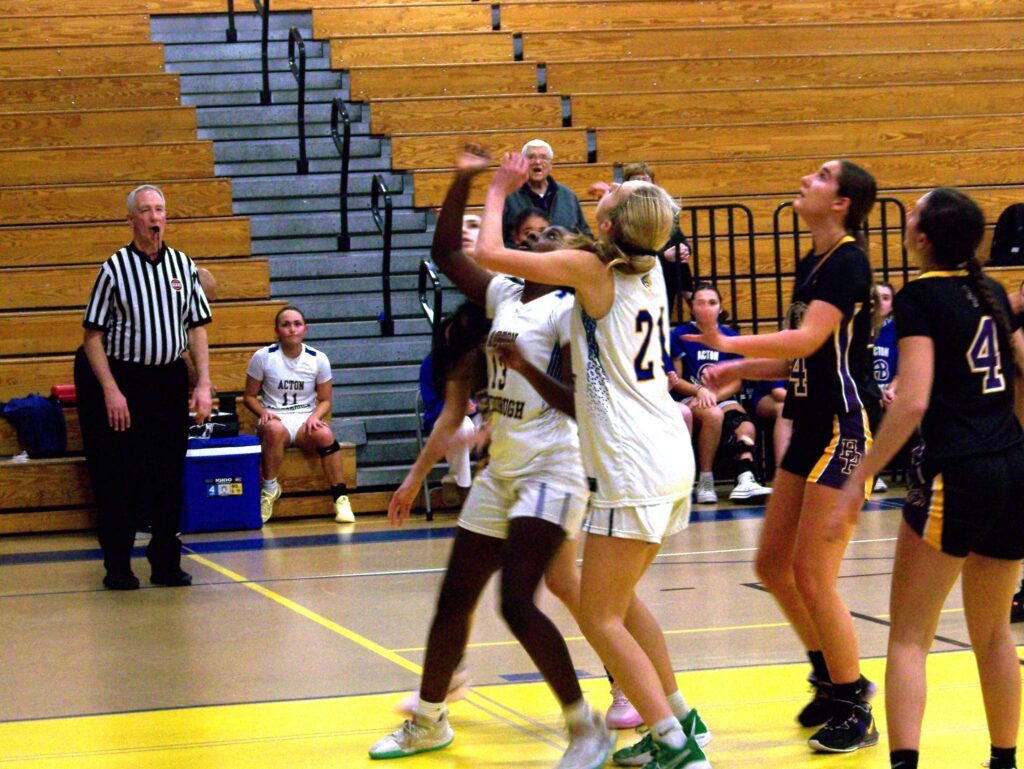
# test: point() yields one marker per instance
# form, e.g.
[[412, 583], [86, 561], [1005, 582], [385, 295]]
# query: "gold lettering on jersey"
[[507, 407], [291, 384]]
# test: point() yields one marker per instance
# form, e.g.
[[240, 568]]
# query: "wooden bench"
[[37, 246], [721, 107], [60, 331], [670, 71], [74, 165], [371, 19], [768, 39], [762, 176], [131, 125], [425, 17], [837, 138], [795, 71], [623, 145], [121, 7], [438, 150], [411, 80], [31, 31], [66, 203], [815, 103], [81, 60], [40, 94], [441, 48], [466, 113], [692, 41], [20, 376], [34, 288], [56, 494]]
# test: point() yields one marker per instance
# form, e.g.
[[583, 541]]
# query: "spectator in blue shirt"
[[714, 412]]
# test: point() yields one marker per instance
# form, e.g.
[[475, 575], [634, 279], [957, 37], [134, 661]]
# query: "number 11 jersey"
[[289, 384]]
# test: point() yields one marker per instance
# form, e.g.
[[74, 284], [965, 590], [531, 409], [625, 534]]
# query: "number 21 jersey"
[[636, 449]]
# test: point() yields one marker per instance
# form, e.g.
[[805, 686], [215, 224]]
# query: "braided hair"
[[955, 225], [456, 349]]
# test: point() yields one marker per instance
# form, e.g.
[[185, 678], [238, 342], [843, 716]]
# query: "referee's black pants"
[[137, 472]]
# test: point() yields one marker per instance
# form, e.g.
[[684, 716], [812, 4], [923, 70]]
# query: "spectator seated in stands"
[[886, 357], [542, 191], [675, 255], [288, 387], [714, 413], [765, 399]]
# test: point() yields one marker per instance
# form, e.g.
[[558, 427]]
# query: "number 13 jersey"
[[530, 436], [636, 449]]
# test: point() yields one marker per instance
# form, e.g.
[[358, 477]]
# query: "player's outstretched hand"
[[512, 173], [472, 159]]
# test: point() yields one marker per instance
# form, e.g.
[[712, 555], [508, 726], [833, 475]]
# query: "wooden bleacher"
[[98, 127], [87, 113]]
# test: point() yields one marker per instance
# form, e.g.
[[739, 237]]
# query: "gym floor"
[[295, 643]]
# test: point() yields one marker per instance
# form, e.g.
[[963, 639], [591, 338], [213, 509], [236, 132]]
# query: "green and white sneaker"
[[690, 756], [694, 726], [417, 735], [642, 753]]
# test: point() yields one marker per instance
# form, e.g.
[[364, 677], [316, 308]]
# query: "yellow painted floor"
[[295, 643], [749, 710]]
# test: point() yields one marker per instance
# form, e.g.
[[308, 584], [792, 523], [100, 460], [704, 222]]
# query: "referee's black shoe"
[[177, 578], [118, 580]]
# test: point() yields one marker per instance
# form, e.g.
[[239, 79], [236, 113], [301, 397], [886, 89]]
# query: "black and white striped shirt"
[[147, 307]]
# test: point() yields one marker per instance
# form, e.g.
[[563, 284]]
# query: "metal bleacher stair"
[[295, 220]]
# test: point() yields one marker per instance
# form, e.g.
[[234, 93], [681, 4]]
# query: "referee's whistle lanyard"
[[826, 255]]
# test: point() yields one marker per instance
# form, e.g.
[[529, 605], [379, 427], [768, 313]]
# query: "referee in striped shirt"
[[147, 307]]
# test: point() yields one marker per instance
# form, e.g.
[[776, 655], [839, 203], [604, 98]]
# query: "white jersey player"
[[288, 387], [636, 449]]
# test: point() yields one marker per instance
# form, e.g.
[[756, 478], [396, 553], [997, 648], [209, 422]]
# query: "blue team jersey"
[[886, 353], [694, 355]]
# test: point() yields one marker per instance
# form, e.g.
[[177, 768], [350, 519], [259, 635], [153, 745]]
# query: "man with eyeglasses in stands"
[[541, 191]]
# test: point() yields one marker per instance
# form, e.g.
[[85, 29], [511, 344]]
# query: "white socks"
[[678, 705], [669, 732], [431, 711], [577, 712], [270, 485]]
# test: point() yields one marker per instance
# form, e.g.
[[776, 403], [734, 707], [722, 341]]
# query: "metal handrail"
[[263, 9], [435, 312], [384, 226], [299, 71], [231, 34], [711, 236], [884, 228], [343, 144]]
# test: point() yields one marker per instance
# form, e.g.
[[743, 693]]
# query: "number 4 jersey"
[[636, 449], [289, 384], [971, 408]]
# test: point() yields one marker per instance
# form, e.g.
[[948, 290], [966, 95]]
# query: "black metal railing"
[[705, 235], [263, 9], [343, 144], [231, 34], [434, 312], [378, 193], [885, 229], [299, 71]]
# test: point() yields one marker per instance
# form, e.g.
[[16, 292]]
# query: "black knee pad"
[[733, 419], [326, 451]]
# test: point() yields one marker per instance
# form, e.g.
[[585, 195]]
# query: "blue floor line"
[[355, 538]]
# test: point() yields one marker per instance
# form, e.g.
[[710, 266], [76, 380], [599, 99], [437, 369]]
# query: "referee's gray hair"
[[142, 188]]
